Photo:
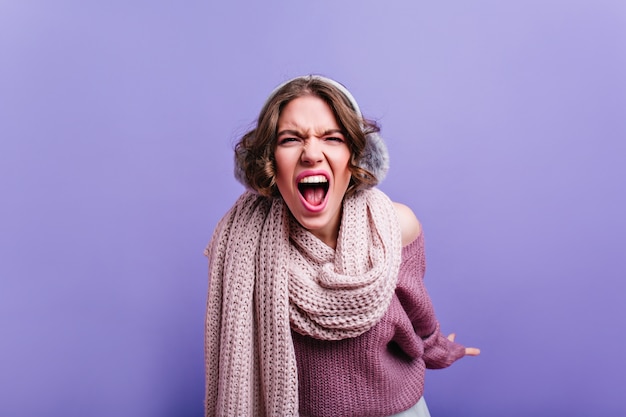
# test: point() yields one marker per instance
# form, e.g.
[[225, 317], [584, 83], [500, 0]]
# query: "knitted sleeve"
[[439, 352]]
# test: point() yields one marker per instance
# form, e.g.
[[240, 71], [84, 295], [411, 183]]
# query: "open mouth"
[[313, 189]]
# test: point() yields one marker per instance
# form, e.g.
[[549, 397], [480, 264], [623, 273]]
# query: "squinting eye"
[[284, 141], [334, 139]]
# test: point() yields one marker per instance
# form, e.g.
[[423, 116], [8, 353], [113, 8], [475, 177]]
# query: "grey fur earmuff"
[[375, 157]]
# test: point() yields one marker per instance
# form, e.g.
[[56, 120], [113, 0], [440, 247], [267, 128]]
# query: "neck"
[[329, 239], [329, 233]]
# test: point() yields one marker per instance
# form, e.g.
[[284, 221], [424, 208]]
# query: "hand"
[[469, 351]]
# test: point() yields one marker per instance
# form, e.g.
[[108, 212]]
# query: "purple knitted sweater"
[[381, 372]]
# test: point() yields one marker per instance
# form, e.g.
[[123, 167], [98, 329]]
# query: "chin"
[[312, 224]]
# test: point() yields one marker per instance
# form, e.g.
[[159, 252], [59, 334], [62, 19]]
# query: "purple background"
[[506, 123]]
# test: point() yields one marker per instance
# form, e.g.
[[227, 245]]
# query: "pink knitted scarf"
[[269, 275]]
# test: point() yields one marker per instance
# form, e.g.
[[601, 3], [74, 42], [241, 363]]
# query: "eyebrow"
[[301, 134]]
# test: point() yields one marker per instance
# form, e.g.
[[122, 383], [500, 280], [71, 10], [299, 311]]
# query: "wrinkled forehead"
[[308, 115]]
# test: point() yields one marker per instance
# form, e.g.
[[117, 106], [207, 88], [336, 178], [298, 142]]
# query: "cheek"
[[346, 161], [343, 170], [283, 166]]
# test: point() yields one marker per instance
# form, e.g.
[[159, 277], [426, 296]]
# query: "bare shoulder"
[[409, 225]]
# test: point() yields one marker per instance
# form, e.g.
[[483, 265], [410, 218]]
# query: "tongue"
[[314, 195]]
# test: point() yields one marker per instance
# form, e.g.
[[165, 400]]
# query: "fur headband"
[[375, 157]]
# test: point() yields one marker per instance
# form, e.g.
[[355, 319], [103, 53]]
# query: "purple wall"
[[506, 123]]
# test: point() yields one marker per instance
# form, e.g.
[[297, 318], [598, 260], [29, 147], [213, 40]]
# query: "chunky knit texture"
[[268, 275], [381, 372]]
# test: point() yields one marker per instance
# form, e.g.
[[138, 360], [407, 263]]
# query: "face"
[[312, 172]]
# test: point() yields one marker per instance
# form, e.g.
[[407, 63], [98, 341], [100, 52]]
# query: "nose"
[[312, 152]]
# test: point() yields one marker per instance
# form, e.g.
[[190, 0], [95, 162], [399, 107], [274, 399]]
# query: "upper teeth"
[[314, 179]]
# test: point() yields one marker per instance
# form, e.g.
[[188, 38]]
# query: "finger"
[[470, 351], [451, 337]]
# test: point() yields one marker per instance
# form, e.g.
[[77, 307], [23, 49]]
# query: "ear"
[[375, 157]]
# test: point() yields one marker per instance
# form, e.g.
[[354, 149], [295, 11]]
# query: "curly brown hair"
[[254, 153]]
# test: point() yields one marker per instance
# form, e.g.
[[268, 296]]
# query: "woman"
[[316, 303]]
